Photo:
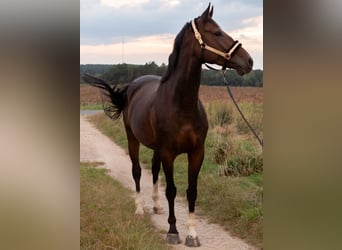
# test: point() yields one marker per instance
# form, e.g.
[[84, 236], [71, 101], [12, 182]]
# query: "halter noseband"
[[225, 55]]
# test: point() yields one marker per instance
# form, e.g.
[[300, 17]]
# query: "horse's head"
[[215, 46]]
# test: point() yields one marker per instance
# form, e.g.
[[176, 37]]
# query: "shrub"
[[246, 166], [253, 114], [222, 147], [220, 114]]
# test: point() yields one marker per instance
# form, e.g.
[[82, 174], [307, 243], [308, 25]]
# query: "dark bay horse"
[[166, 115]]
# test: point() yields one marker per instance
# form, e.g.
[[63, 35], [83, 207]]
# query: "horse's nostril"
[[250, 62]]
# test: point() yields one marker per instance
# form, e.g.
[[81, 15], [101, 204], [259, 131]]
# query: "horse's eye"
[[218, 33]]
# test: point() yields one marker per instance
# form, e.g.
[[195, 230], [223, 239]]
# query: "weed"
[[234, 202], [246, 166], [253, 114], [220, 114], [251, 214]]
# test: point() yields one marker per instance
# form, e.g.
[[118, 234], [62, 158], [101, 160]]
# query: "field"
[[89, 96], [232, 168]]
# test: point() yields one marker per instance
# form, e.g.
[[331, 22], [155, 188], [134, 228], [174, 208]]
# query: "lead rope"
[[223, 73]]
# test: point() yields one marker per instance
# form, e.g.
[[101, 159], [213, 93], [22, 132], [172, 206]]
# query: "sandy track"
[[94, 146]]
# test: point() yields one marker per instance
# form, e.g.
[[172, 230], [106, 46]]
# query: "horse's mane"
[[174, 56]]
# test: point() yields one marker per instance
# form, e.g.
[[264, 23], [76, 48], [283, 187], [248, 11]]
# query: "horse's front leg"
[[171, 192], [195, 162]]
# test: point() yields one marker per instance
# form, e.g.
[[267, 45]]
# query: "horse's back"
[[143, 87]]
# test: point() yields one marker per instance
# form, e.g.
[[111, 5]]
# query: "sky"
[[140, 31]]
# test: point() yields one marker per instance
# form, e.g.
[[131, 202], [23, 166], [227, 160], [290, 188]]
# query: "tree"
[[124, 73]]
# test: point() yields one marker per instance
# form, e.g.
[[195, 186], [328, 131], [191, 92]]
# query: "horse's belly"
[[143, 132], [140, 113]]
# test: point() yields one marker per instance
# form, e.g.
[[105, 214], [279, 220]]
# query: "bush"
[[220, 114], [220, 154], [254, 116], [246, 166]]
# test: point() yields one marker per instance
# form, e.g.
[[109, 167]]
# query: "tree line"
[[123, 73]]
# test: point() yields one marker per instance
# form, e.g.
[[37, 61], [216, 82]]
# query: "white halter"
[[225, 55]]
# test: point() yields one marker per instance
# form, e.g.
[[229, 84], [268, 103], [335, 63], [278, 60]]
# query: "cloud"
[[138, 3], [251, 37], [252, 33], [123, 3], [103, 23], [136, 51], [171, 3]]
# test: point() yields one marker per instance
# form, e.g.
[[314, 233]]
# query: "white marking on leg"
[[155, 196], [139, 203], [191, 225]]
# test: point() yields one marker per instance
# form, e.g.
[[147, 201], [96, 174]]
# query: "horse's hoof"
[[192, 242], [173, 239], [157, 210]]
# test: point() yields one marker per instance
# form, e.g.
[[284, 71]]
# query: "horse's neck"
[[185, 81]]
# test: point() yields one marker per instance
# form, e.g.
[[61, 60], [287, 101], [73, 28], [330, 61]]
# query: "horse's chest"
[[187, 138]]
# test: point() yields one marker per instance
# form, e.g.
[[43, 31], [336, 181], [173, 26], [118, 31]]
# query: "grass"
[[219, 114], [107, 215], [255, 116], [237, 200], [91, 107], [236, 205]]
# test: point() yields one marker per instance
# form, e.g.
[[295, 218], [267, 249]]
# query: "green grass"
[[233, 202], [107, 215], [91, 107]]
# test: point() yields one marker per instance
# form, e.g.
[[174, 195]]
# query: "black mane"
[[173, 58]]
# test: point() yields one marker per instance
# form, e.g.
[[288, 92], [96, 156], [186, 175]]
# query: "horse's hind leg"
[[195, 161], [133, 148], [157, 208]]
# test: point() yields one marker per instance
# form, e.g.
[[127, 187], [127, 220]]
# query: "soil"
[[94, 146]]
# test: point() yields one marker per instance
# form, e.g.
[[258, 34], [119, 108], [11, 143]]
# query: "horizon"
[[140, 64]]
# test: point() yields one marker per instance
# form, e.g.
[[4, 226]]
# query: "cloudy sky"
[[140, 31]]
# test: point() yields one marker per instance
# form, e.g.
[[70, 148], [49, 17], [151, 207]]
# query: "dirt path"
[[97, 147]]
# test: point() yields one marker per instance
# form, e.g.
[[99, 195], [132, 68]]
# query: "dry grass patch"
[[107, 215]]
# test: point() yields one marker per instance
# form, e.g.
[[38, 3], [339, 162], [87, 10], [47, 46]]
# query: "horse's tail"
[[114, 99]]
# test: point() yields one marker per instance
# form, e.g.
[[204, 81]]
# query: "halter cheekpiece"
[[225, 55]]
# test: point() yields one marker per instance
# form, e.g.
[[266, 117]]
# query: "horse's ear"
[[208, 13], [211, 12]]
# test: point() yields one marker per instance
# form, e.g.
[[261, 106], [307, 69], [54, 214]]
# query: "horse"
[[166, 115]]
